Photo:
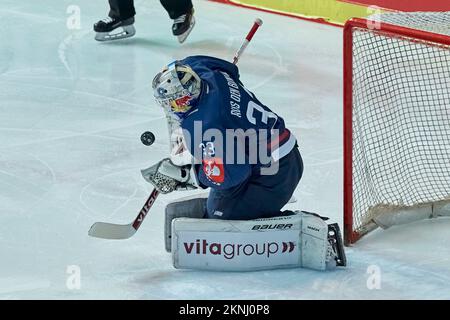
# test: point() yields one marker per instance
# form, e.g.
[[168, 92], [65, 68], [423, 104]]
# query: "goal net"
[[396, 120]]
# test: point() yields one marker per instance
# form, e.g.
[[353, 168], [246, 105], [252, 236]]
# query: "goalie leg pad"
[[325, 237], [314, 241], [299, 240], [187, 207]]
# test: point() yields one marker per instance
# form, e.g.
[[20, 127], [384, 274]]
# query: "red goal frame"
[[350, 235]]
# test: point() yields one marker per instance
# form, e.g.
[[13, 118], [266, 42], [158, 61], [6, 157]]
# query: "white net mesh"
[[401, 117], [437, 22]]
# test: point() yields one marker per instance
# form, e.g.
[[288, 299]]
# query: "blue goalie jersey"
[[230, 133]]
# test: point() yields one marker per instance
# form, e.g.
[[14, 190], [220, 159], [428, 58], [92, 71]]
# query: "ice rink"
[[73, 109]]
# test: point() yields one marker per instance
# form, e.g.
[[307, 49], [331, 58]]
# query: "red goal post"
[[357, 222]]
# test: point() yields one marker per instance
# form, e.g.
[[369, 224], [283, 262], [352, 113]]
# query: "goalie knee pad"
[[188, 207]]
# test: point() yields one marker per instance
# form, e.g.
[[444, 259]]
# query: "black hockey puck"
[[148, 138]]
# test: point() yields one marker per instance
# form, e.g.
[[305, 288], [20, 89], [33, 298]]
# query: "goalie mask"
[[177, 89]]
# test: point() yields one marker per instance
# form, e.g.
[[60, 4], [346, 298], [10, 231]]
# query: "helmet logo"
[[183, 100], [181, 104]]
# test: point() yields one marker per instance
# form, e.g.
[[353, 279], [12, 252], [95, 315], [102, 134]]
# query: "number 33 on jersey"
[[237, 133]]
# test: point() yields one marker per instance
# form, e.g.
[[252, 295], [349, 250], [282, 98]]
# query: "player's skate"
[[183, 25], [336, 252], [113, 29]]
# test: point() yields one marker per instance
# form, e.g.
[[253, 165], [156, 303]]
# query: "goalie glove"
[[168, 177]]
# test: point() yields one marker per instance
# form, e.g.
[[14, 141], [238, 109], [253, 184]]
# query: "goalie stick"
[[258, 23], [123, 231], [107, 230]]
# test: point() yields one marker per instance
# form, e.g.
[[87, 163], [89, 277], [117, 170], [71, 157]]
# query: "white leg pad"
[[299, 240], [314, 242]]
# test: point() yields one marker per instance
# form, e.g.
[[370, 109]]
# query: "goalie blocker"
[[299, 240]]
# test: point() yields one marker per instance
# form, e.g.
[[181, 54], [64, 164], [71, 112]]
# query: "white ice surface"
[[71, 114]]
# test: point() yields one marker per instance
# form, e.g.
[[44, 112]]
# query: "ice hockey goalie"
[[228, 141]]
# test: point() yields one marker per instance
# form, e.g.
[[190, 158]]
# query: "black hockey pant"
[[124, 9], [262, 196]]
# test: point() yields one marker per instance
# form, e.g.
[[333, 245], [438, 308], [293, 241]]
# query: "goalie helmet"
[[177, 89]]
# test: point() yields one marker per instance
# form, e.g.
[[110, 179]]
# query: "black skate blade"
[[182, 37], [127, 32], [341, 259]]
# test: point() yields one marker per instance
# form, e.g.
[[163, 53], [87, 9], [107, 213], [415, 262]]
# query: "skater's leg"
[[120, 22], [121, 9], [176, 8], [182, 14]]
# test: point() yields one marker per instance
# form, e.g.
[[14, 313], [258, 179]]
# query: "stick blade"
[[111, 231]]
